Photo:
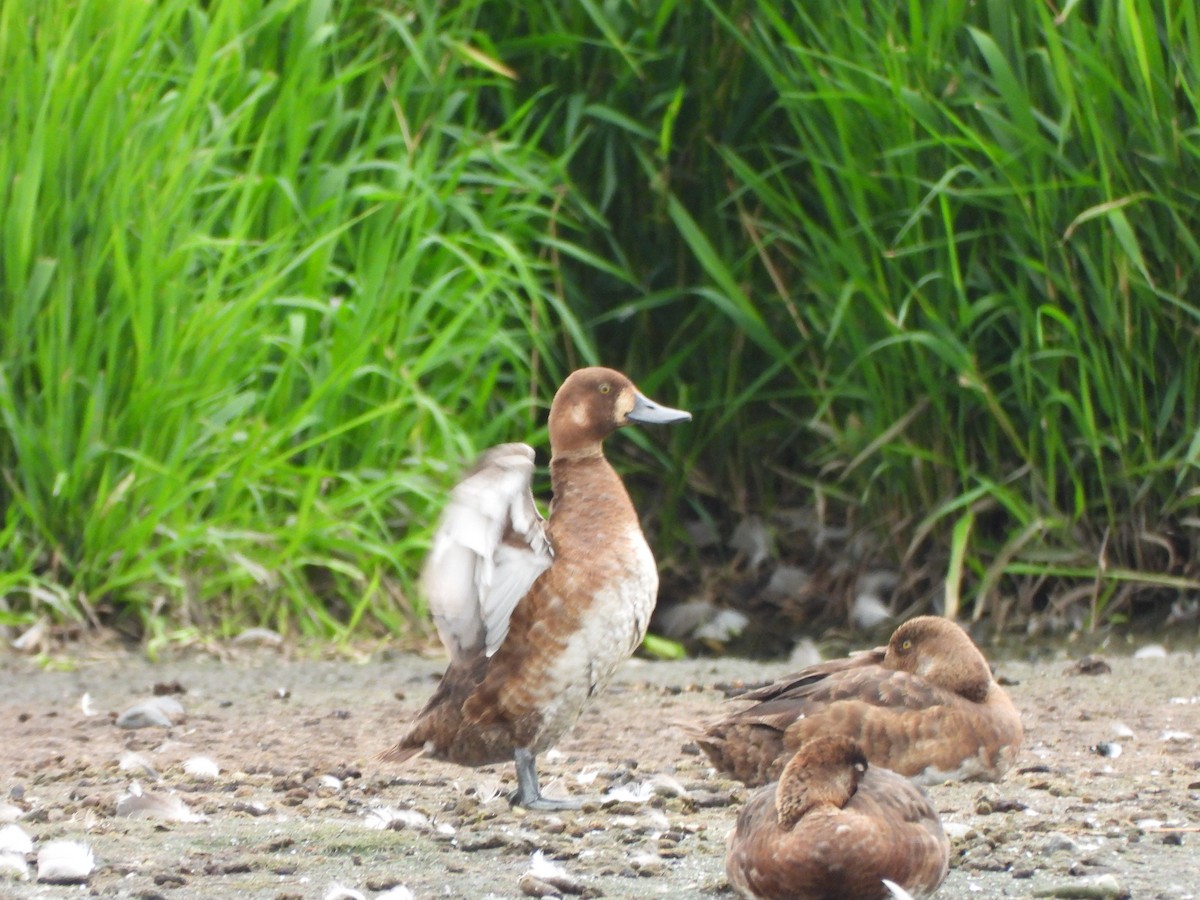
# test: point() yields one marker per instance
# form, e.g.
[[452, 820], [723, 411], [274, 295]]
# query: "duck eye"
[[906, 645], [604, 388]]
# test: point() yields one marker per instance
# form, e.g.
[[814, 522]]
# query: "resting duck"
[[925, 706], [536, 614], [835, 827]]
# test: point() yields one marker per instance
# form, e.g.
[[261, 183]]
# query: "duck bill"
[[646, 412]]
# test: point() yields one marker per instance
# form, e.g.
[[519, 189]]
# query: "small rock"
[[1151, 651], [1103, 887], [1106, 748], [1091, 665], [1058, 842]]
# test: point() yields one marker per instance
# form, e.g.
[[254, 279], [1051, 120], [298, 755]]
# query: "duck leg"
[[529, 794]]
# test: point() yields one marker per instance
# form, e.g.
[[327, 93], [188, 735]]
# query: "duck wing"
[[489, 548], [861, 678]]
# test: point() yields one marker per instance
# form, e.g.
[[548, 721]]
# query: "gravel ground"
[[1105, 801]]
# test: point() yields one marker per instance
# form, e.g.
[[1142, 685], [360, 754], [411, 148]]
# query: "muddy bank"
[[1107, 791]]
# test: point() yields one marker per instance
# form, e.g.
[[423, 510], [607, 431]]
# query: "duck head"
[[942, 653], [593, 403], [824, 772]]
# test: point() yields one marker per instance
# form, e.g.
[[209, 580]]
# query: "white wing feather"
[[489, 548]]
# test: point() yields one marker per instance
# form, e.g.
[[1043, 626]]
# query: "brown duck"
[[925, 706], [835, 827], [536, 614]]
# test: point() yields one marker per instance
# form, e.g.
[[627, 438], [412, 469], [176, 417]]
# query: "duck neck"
[[588, 494]]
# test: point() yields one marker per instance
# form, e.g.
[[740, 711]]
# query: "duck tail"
[[401, 753]]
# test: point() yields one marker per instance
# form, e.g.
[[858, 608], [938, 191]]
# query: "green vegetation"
[[270, 272]]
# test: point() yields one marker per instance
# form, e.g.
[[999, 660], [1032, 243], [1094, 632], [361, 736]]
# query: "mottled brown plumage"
[[925, 706], [834, 827], [537, 616]]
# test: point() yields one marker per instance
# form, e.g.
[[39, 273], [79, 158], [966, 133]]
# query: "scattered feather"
[[956, 830], [31, 639], [338, 892], [1176, 737], [13, 865], [484, 787], [129, 761], [202, 768], [10, 813], [702, 533], [85, 704], [587, 776], [332, 782], [896, 891], [726, 625], [13, 839], [65, 862], [788, 581], [161, 712], [542, 871], [752, 539], [263, 636], [667, 786], [806, 653], [869, 611], [1107, 749], [1122, 732], [381, 817], [1151, 651], [138, 804], [636, 792], [682, 619]]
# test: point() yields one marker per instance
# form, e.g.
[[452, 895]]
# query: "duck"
[[536, 613], [925, 706], [836, 826]]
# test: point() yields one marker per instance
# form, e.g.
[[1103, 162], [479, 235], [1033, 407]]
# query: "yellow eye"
[[604, 388], [906, 645]]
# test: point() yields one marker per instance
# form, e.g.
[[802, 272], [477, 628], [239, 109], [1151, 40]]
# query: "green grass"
[[271, 271], [267, 284]]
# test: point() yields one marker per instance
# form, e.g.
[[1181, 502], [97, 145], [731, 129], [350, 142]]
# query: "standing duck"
[[925, 706], [536, 614], [836, 827]]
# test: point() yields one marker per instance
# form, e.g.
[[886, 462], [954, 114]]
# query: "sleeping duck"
[[925, 706], [536, 613], [836, 827]]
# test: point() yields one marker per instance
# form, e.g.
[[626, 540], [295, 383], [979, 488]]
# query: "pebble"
[[1102, 887]]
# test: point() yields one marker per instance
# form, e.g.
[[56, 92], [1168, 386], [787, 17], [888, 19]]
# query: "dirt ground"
[[299, 808]]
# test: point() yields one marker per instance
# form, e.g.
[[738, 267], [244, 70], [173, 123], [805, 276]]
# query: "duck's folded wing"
[[489, 548], [847, 689]]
